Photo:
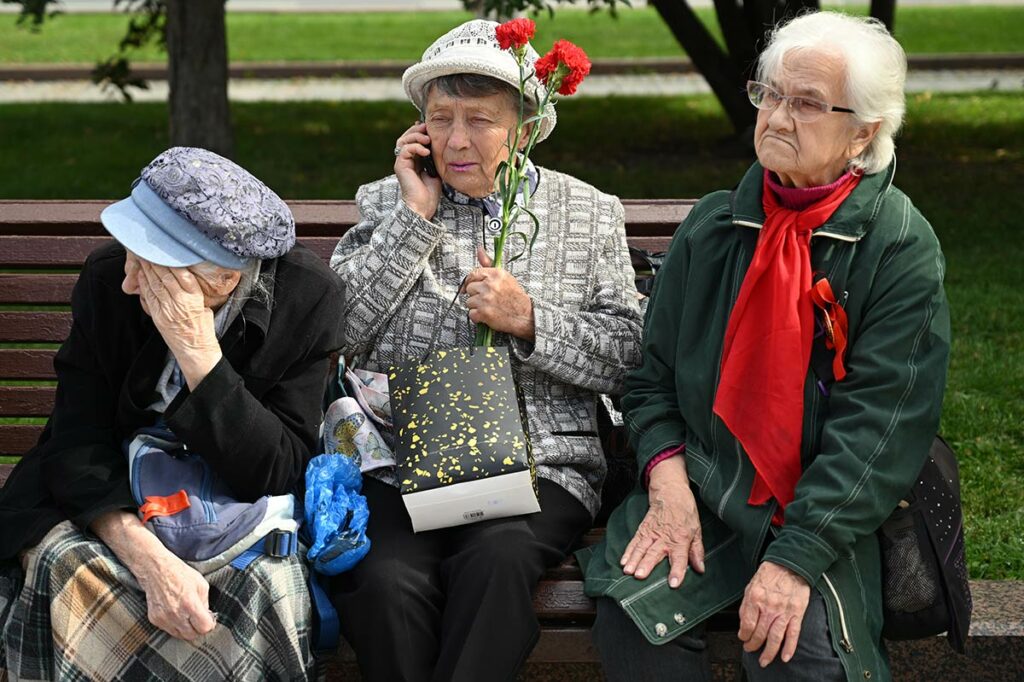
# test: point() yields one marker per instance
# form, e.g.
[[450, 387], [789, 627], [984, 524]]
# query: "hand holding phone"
[[417, 175], [427, 162]]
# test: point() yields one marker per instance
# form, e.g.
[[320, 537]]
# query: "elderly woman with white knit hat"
[[455, 603]]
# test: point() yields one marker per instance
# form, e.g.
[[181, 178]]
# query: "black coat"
[[254, 417]]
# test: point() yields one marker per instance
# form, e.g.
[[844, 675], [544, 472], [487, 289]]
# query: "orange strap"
[[164, 506], [835, 322]]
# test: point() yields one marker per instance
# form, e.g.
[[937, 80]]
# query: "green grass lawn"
[[390, 35], [961, 161]]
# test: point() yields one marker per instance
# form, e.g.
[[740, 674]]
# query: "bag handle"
[[444, 316]]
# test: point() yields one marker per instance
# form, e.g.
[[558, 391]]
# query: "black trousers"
[[453, 603]]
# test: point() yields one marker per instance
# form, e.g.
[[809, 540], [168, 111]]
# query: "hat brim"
[[416, 77], [126, 223]]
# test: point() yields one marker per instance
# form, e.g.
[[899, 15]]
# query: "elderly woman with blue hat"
[[204, 316], [455, 603]]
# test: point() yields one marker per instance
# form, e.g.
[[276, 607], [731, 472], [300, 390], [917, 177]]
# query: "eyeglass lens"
[[804, 108]]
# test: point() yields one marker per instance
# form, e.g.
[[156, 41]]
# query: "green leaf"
[[536, 227], [525, 249]]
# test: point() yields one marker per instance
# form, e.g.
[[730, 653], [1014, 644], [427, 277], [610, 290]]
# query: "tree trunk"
[[726, 79], [884, 11], [197, 74]]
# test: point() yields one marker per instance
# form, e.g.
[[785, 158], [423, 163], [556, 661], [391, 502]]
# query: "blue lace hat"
[[190, 205]]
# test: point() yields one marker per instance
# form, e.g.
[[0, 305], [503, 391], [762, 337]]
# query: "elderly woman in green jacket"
[[765, 476]]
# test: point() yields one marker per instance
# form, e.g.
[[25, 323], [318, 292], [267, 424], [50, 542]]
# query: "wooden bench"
[[42, 247]]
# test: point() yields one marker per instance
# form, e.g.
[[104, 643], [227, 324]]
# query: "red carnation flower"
[[563, 68], [515, 33]]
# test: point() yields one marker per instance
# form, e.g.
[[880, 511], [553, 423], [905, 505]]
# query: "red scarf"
[[768, 346]]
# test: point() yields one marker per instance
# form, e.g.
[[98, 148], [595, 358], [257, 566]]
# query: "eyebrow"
[[809, 91], [800, 91]]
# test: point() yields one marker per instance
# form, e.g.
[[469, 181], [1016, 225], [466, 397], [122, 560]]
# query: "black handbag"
[[924, 572]]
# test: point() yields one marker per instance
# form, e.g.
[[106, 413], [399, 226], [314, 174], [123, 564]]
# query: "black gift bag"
[[462, 452]]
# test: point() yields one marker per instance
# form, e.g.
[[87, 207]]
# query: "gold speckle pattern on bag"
[[456, 418]]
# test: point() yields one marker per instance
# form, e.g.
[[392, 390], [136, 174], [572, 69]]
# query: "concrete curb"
[[394, 68]]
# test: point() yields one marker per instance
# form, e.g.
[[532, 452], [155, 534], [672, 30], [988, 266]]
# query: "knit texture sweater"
[[402, 271]]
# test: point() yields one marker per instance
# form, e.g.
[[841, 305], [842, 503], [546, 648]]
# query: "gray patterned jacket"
[[402, 272]]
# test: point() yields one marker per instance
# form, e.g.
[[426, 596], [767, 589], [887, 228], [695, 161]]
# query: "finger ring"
[[398, 150]]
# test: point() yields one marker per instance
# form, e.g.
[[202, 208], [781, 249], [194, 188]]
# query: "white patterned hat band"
[[191, 205], [472, 48]]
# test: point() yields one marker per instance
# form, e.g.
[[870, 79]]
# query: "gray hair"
[[876, 70], [471, 85]]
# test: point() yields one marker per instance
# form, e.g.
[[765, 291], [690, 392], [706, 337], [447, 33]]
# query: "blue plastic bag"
[[336, 514]]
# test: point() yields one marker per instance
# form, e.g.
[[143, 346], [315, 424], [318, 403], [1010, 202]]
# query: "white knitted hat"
[[473, 48]]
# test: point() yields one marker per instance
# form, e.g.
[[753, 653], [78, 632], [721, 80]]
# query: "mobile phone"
[[427, 163]]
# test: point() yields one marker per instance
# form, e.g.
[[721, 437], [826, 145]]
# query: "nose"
[[781, 118], [459, 136], [130, 284]]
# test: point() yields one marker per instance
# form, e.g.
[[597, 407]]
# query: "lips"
[[779, 139], [461, 167]]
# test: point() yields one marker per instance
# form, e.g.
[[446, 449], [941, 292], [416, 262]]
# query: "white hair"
[[875, 65]]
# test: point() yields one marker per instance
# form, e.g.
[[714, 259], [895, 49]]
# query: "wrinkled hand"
[[670, 529], [175, 301], [498, 300], [177, 598], [420, 192], [772, 612]]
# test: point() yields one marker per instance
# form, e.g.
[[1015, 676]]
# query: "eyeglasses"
[[805, 109]]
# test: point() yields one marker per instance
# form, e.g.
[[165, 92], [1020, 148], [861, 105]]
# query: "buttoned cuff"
[[801, 551], [195, 410], [412, 222], [661, 436], [543, 352]]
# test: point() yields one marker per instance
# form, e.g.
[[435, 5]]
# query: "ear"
[[225, 282], [527, 129], [231, 279], [864, 133]]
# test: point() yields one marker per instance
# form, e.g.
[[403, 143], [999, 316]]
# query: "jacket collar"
[[253, 320], [849, 223]]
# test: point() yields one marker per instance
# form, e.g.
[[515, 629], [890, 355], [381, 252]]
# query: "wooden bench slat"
[[36, 288], [312, 218], [18, 363], [26, 401], [17, 439], [70, 252], [561, 600], [47, 252], [34, 327]]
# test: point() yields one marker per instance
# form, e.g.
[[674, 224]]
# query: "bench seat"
[[42, 247]]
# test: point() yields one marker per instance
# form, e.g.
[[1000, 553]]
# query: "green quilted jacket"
[[863, 444]]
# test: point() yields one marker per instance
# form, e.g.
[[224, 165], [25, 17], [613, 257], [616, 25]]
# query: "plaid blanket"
[[76, 613]]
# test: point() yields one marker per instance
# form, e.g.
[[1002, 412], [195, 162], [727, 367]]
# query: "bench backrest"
[[43, 245]]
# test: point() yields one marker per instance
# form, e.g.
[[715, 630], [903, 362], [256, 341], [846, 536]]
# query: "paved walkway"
[[73, 6], [382, 89]]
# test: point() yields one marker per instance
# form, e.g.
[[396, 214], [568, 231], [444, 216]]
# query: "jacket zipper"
[[845, 641]]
